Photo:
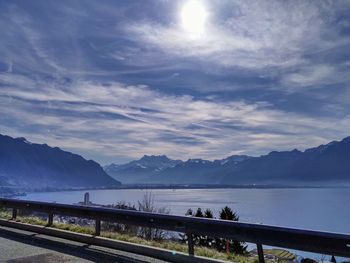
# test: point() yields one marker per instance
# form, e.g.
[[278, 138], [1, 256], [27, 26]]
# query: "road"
[[17, 246]]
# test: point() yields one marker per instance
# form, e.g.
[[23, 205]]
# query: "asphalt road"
[[17, 246]]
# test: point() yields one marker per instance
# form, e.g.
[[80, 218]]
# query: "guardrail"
[[305, 240]]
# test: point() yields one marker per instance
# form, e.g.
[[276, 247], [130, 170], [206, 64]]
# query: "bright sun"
[[193, 17]]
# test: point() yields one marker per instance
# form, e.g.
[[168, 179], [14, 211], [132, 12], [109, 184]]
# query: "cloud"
[[98, 80], [295, 44], [255, 35], [310, 76], [114, 119]]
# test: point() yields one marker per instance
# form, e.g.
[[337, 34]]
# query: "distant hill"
[[29, 165], [322, 165]]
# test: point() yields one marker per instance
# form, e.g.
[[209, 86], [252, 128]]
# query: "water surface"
[[316, 208]]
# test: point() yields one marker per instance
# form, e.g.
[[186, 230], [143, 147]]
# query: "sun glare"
[[193, 17]]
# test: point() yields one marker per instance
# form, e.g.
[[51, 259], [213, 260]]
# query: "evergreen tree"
[[219, 243], [234, 246], [199, 212], [208, 214], [189, 212], [227, 214], [198, 239], [208, 241]]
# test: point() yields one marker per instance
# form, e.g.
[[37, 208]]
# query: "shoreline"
[[18, 192], [194, 186]]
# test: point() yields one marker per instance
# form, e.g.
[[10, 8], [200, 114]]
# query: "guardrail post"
[[260, 253], [190, 244], [50, 219], [14, 214], [97, 227]]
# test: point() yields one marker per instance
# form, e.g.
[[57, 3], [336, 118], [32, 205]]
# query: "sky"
[[114, 80]]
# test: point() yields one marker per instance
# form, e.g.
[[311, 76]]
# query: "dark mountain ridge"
[[37, 166]]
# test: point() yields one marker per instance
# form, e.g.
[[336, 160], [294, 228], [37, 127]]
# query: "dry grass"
[[165, 244]]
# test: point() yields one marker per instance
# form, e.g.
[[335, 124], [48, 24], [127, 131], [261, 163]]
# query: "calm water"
[[318, 209]]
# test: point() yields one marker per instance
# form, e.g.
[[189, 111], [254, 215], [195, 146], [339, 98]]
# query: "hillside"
[[37, 166]]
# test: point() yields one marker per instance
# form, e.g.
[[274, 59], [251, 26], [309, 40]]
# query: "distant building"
[[86, 198]]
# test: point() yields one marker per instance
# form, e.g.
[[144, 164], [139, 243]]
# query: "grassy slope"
[[170, 245]]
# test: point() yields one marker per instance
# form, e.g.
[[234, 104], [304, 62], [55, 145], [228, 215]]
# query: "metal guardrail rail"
[[305, 240]]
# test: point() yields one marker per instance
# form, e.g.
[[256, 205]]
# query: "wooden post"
[[190, 244], [50, 219], [14, 213], [97, 227], [260, 253]]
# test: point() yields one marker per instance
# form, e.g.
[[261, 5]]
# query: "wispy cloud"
[[114, 118], [96, 79], [253, 35], [282, 39], [316, 76]]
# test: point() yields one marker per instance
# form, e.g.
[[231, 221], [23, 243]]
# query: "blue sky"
[[113, 80]]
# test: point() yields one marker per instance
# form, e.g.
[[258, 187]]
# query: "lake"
[[324, 209], [309, 208]]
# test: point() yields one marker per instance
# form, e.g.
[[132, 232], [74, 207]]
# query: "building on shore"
[[86, 198]]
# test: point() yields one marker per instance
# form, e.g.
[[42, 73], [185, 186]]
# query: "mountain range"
[[38, 166], [141, 170], [322, 165]]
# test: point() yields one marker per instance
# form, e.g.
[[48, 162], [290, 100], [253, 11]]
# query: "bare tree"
[[118, 227], [147, 204]]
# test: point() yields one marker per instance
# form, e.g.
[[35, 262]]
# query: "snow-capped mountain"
[[161, 169], [329, 163], [140, 169], [233, 159]]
